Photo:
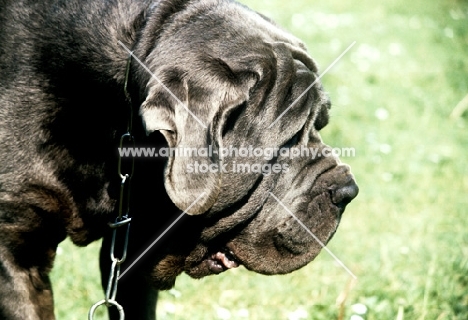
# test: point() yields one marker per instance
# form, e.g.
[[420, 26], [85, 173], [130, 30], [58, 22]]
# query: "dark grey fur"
[[62, 111]]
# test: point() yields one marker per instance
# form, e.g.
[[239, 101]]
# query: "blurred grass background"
[[406, 235]]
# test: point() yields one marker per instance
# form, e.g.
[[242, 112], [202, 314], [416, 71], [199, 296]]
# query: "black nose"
[[342, 195]]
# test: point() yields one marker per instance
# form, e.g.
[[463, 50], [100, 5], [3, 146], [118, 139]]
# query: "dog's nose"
[[342, 195]]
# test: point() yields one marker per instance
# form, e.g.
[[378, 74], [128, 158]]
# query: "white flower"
[[300, 313], [169, 307], [359, 308], [381, 114], [175, 293], [223, 313], [243, 313]]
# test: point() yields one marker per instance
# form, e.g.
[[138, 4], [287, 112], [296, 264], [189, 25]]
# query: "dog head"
[[225, 78]]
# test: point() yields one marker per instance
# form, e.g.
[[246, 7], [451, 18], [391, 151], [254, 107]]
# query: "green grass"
[[405, 236]]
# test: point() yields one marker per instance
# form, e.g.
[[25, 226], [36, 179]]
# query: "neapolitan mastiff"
[[212, 73]]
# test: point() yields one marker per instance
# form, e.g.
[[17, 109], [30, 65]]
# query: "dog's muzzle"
[[291, 230]]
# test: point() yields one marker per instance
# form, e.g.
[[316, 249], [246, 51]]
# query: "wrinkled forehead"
[[228, 28], [268, 32]]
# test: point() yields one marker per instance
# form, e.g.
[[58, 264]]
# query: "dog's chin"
[[163, 275]]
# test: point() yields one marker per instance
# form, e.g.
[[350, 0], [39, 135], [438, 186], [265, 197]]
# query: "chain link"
[[123, 218]]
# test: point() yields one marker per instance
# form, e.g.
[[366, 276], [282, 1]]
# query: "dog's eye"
[[322, 117], [232, 118], [293, 141]]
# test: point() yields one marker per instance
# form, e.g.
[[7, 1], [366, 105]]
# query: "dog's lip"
[[222, 260], [215, 261]]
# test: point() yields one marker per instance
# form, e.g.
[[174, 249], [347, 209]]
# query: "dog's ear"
[[189, 113]]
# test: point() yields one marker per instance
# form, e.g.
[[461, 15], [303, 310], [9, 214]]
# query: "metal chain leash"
[[123, 219]]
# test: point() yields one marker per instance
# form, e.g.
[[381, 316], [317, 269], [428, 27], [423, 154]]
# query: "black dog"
[[213, 74]]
